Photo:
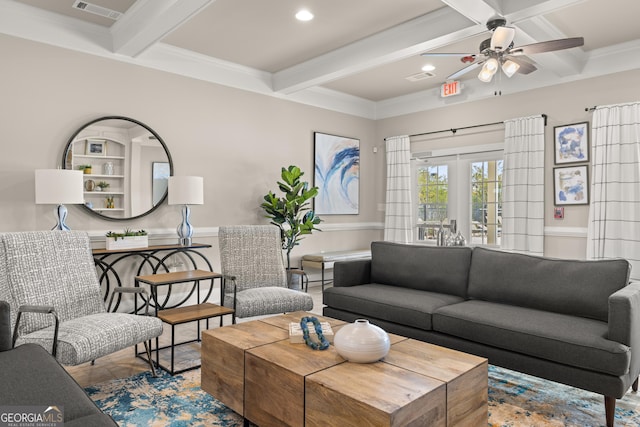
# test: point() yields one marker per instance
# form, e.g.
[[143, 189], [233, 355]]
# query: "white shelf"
[[96, 175], [84, 156], [97, 193], [107, 209]]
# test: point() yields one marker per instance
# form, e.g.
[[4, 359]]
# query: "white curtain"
[[614, 214], [523, 186], [398, 222]]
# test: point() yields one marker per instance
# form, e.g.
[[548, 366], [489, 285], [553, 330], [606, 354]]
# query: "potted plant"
[[85, 168], [103, 185], [127, 239], [291, 212]]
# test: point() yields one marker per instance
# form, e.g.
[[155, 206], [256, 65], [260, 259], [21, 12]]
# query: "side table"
[[202, 310]]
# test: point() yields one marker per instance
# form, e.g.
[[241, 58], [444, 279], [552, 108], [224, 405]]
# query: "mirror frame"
[[68, 147]]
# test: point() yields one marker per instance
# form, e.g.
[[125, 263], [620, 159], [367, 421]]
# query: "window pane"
[[433, 198], [486, 202]]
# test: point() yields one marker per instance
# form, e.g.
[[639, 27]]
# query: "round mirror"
[[126, 167]]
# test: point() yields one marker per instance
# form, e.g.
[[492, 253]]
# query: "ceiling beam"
[[477, 11], [413, 37], [148, 21]]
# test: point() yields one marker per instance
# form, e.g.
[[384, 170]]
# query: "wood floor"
[[123, 364]]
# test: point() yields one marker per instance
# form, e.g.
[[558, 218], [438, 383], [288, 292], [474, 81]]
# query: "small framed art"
[[571, 185], [96, 147], [571, 143]]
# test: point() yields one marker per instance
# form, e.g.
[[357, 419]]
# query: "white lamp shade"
[[186, 190], [59, 186]]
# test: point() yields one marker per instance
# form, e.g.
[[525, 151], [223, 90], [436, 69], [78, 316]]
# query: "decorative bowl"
[[361, 342]]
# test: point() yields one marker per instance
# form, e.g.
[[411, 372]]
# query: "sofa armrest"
[[352, 273], [5, 326], [624, 321]]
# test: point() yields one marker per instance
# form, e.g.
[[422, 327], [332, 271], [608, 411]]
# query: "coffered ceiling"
[[355, 56]]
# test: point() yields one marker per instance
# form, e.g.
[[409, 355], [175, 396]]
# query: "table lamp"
[[56, 187], [186, 190]]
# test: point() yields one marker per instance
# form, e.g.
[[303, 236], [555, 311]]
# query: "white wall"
[[562, 104], [236, 140]]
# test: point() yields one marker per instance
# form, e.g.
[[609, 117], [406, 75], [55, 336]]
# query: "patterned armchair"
[[255, 279], [49, 279]]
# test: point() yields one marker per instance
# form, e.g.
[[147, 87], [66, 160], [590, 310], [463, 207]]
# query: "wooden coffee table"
[[253, 369]]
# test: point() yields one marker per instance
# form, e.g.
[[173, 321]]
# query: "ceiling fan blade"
[[526, 67], [465, 70], [502, 38], [548, 46], [448, 54]]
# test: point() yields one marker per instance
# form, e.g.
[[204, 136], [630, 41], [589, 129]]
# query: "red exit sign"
[[450, 89]]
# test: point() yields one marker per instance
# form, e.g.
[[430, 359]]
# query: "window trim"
[[458, 161]]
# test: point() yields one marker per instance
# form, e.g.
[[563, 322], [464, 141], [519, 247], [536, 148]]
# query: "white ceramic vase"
[[361, 342]]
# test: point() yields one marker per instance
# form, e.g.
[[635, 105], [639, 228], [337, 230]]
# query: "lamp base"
[[184, 241]]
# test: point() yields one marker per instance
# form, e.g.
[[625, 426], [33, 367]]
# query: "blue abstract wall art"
[[337, 174], [572, 143]]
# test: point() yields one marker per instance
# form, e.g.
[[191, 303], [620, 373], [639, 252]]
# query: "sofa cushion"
[[410, 307], [574, 287], [560, 338], [428, 268]]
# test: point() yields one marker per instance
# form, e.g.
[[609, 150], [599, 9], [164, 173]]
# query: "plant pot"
[[127, 242]]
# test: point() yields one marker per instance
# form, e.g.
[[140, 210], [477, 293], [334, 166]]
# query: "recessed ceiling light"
[[428, 68], [304, 15]]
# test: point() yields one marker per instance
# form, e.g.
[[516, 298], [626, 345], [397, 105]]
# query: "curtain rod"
[[591, 108], [454, 130]]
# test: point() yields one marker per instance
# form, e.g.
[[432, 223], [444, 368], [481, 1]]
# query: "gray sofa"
[[569, 321], [30, 376]]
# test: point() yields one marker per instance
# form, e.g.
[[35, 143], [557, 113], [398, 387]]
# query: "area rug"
[[515, 399]]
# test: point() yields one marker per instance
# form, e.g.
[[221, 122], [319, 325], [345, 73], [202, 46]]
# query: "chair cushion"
[[268, 300], [406, 306], [428, 268], [580, 288], [51, 268], [90, 337], [253, 254], [561, 338]]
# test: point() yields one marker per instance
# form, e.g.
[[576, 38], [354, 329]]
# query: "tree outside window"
[[433, 198], [486, 202]]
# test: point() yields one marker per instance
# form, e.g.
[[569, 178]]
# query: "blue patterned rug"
[[514, 400]]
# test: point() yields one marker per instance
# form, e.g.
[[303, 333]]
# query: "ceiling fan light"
[[509, 67], [485, 75], [491, 65]]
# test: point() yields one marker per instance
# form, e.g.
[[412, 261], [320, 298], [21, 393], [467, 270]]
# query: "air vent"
[[97, 10], [420, 76]]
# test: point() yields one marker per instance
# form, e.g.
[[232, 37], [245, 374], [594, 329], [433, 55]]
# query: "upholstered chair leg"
[[609, 409], [634, 387], [147, 349]]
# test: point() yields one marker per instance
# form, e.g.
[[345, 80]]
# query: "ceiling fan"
[[498, 52]]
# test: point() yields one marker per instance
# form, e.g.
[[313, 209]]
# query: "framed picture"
[[96, 147], [571, 185], [336, 174], [571, 143]]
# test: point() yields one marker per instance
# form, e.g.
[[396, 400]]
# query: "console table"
[[153, 259]]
